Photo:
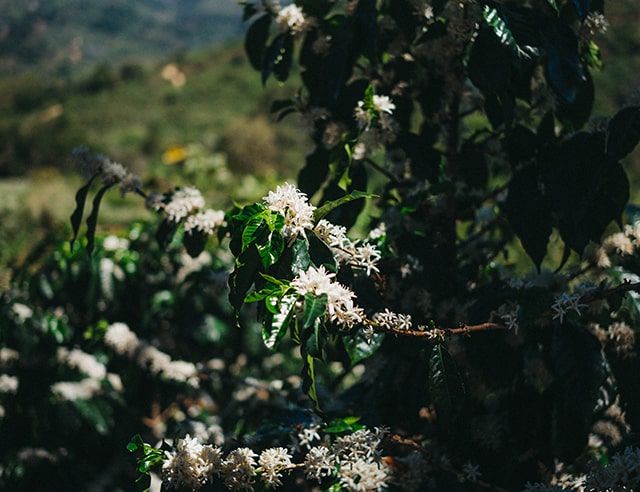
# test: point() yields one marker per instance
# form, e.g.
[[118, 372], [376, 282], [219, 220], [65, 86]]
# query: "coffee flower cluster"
[[187, 206], [110, 172], [353, 461]]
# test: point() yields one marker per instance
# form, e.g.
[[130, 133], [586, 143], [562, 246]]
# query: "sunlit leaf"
[[314, 308], [274, 327]]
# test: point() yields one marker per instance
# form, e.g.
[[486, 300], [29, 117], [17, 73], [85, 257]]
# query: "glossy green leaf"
[[300, 257], [274, 327], [321, 212], [314, 307], [445, 385], [359, 347], [499, 27]]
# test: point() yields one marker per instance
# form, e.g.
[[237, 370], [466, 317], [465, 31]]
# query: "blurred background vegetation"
[[164, 87]]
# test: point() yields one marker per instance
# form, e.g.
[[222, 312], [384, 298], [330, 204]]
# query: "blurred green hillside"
[[62, 36], [164, 87]]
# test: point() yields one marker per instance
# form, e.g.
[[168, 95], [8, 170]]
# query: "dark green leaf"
[[76, 216], [165, 232], [248, 10], [321, 254], [97, 413], [248, 265], [581, 375], [314, 173], [278, 58], [322, 212], [256, 39], [529, 213], [92, 220], [623, 133], [359, 348], [194, 242], [575, 113], [445, 385]]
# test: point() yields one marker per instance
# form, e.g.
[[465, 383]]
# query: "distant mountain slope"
[[64, 35]]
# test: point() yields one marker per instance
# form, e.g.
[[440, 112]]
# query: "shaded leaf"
[[76, 216], [529, 213], [248, 265], [445, 385], [92, 220], [256, 39], [194, 242], [278, 57], [580, 373], [165, 232], [623, 133]]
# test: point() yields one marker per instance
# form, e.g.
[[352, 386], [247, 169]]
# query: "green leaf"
[[194, 242], [322, 212], [529, 213], [278, 58], [321, 254], [314, 308], [445, 385], [274, 327], [499, 27], [300, 254], [248, 10], [623, 133], [346, 424], [309, 378], [92, 220], [76, 216], [256, 39], [358, 347], [582, 378], [97, 413], [165, 232], [593, 56], [248, 265]]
